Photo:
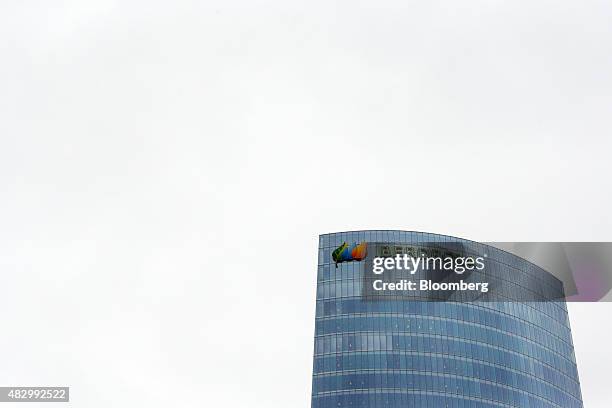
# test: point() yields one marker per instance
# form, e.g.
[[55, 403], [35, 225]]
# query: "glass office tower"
[[433, 354]]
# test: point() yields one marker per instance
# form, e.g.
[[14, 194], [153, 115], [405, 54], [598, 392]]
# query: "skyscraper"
[[436, 354]]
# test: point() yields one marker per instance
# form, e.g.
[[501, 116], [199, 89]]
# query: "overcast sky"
[[166, 168]]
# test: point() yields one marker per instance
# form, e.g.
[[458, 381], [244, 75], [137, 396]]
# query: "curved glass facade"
[[406, 353]]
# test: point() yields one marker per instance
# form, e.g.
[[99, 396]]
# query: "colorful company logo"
[[348, 253]]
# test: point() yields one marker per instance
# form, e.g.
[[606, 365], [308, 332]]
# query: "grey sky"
[[166, 167]]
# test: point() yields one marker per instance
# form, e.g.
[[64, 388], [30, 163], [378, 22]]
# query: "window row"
[[439, 382], [421, 399], [413, 324], [462, 348], [515, 317], [451, 365]]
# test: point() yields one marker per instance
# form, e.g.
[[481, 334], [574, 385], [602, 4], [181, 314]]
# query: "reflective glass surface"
[[405, 353]]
